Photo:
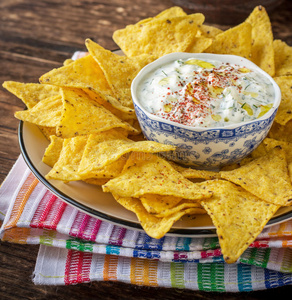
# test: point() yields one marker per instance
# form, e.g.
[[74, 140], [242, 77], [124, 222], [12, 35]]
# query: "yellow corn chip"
[[262, 50], [46, 112], [283, 58], [82, 73], [53, 151], [230, 167], [146, 173], [281, 132], [195, 173], [174, 11], [113, 105], [235, 41], [272, 143], [284, 113], [107, 172], [100, 153], [266, 177], [155, 204], [153, 226], [260, 151], [88, 169], [239, 217], [118, 70], [85, 73], [158, 36], [68, 61], [195, 207], [137, 137], [97, 181], [82, 116], [66, 167], [208, 31], [199, 45], [31, 93], [47, 131], [195, 211]]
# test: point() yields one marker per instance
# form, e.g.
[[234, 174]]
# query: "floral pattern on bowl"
[[210, 148]]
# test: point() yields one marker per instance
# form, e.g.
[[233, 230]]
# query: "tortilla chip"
[[82, 116], [281, 132], [113, 105], [99, 153], [31, 93], [260, 151], [284, 113], [230, 167], [196, 173], [199, 45], [137, 137], [118, 70], [272, 143], [82, 73], [239, 217], [174, 11], [97, 181], [155, 204], [262, 50], [266, 177], [53, 151], [47, 131], [87, 166], [153, 226], [183, 205], [146, 173], [67, 61], [109, 171], [159, 36], [195, 211], [66, 167], [46, 112], [235, 41], [283, 58], [209, 31]]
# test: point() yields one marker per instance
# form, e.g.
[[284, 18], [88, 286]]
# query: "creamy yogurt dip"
[[206, 93]]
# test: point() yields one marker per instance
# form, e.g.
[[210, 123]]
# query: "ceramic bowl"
[[205, 148]]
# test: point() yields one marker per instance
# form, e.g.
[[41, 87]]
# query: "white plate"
[[92, 200]]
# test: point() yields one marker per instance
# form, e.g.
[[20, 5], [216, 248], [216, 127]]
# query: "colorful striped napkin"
[[76, 248]]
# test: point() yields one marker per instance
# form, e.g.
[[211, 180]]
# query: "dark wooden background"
[[36, 36]]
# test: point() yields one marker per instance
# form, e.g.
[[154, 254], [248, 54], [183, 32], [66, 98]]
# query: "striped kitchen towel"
[[76, 247]]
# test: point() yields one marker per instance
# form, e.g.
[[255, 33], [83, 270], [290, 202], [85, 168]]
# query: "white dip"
[[206, 93]]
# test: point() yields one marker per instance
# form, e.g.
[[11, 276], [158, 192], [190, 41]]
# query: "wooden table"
[[36, 36]]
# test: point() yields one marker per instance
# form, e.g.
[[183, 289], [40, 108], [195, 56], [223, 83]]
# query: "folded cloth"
[[76, 247]]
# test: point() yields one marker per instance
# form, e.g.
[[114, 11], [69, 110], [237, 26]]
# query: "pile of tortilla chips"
[[85, 110]]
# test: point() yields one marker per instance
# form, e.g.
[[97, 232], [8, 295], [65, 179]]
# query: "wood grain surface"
[[36, 36]]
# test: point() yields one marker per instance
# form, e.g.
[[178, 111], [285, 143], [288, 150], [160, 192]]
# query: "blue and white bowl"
[[205, 148]]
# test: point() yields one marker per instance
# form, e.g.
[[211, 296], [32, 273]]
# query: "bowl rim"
[[222, 57]]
